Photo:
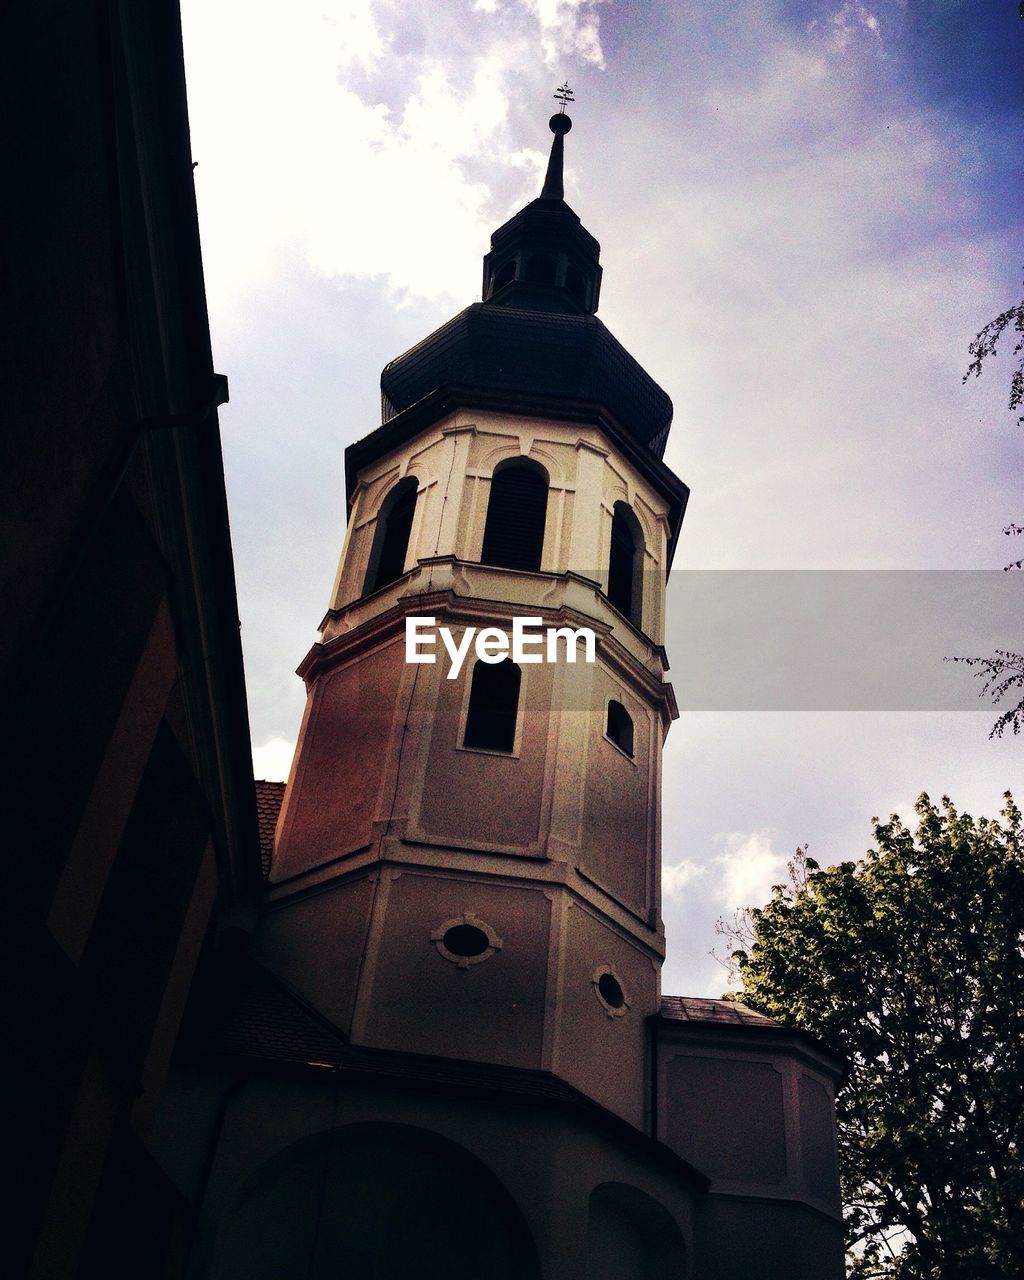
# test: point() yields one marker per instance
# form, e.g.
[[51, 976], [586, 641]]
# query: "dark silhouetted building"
[[129, 812]]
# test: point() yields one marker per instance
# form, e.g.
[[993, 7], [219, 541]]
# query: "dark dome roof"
[[536, 353]]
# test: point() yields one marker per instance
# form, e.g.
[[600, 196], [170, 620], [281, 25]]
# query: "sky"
[[806, 210]]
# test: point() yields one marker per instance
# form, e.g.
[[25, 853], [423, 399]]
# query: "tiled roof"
[[538, 353], [269, 796], [698, 1009], [260, 1018]]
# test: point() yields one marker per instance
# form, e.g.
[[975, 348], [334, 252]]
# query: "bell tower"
[[467, 862], [444, 1050]]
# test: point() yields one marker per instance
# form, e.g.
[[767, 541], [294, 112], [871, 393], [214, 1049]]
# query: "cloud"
[[568, 29], [301, 156], [674, 879], [401, 205], [273, 760], [323, 141], [748, 868], [741, 875], [358, 41], [851, 21], [818, 244]]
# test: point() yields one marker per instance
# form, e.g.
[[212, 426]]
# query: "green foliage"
[[911, 964]]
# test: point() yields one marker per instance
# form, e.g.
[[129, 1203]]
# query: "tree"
[[986, 345], [1003, 671], [910, 963]]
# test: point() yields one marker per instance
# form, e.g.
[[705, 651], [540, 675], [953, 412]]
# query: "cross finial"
[[563, 95]]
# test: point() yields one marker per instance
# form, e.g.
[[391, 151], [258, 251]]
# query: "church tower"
[[445, 1054], [477, 854]]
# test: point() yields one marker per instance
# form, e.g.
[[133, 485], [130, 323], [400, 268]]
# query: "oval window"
[[611, 991], [608, 990], [466, 940]]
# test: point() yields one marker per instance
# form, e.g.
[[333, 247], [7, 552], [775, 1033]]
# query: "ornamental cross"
[[563, 95]]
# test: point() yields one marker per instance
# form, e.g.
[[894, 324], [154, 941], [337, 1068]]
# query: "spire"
[[543, 259], [559, 125], [553, 188]]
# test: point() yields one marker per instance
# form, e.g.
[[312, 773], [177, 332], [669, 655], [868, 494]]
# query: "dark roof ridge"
[[558, 354]]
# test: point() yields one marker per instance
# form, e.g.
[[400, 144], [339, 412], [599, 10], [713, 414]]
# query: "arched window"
[[391, 539], [625, 564], [630, 1236], [505, 274], [575, 284], [516, 512], [540, 269], [493, 706], [620, 727]]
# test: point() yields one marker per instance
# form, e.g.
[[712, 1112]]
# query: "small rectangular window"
[[493, 706], [620, 727]]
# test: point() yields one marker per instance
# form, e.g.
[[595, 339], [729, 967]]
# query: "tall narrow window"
[[620, 727], [505, 274], [516, 514], [574, 282], [493, 706], [625, 564], [391, 539]]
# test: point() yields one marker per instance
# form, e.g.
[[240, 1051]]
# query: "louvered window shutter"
[[516, 513], [620, 566], [392, 538]]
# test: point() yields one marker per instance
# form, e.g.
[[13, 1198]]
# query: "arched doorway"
[[630, 1236], [374, 1202]]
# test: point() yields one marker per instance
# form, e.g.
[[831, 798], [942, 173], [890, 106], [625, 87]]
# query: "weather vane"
[[563, 95]]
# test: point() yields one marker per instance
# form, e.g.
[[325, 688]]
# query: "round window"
[[465, 940], [609, 992]]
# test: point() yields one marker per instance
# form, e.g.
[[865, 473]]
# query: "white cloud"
[[569, 29], [674, 879], [748, 868], [273, 760], [305, 154], [400, 204], [826, 272], [298, 157], [850, 21], [359, 43]]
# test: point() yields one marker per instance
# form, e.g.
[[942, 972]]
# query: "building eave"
[[771, 1035]]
